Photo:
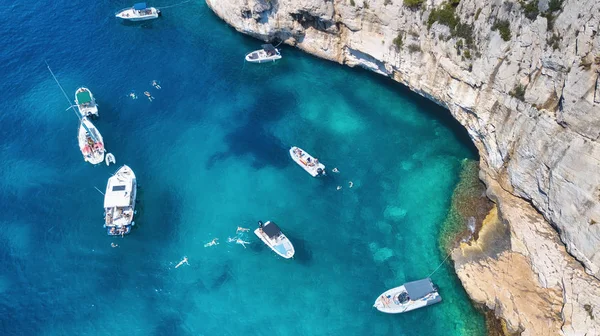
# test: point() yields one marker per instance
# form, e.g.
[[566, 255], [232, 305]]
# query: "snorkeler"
[[350, 184], [335, 170], [241, 242], [156, 85], [241, 229], [339, 187], [184, 261], [113, 245], [148, 95], [132, 95], [212, 242]]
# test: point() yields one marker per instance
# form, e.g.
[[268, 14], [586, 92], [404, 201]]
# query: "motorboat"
[[86, 103], [138, 12], [110, 158], [306, 161], [90, 141], [272, 236], [268, 53], [410, 296], [119, 202]]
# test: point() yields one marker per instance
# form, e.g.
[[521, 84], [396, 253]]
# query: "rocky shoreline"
[[522, 78]]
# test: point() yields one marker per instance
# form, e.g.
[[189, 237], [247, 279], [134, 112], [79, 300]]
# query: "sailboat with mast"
[[90, 141], [89, 138]]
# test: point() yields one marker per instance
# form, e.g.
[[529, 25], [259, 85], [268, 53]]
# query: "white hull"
[[279, 244], [90, 141], [87, 109], [131, 14], [119, 202], [110, 158], [391, 301], [260, 56], [307, 162]]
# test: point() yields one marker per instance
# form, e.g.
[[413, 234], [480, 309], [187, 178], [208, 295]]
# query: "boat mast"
[[71, 106]]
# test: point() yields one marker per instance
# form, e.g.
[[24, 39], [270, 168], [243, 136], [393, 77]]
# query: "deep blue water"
[[210, 154]]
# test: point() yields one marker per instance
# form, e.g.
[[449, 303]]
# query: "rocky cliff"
[[522, 77]]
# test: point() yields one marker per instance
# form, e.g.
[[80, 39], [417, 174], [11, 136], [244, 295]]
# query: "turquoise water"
[[211, 153]]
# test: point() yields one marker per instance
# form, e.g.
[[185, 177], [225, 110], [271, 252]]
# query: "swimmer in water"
[[212, 243], [231, 240], [184, 261], [335, 170], [241, 242], [113, 245], [339, 187], [132, 95], [156, 85], [148, 95], [241, 229], [350, 184]]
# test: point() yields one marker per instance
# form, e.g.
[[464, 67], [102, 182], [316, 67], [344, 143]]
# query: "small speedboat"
[[110, 158], [139, 12], [86, 103], [306, 161], [268, 53], [119, 202], [90, 141], [272, 236], [410, 296]]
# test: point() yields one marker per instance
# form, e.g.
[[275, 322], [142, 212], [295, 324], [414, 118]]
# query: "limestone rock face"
[[530, 103]]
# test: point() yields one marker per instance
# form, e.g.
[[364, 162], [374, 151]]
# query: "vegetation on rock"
[[503, 27], [413, 3]]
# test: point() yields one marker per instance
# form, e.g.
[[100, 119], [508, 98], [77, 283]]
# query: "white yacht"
[[268, 53], [86, 103], [139, 12], [306, 161], [90, 141], [410, 296], [272, 236], [119, 202]]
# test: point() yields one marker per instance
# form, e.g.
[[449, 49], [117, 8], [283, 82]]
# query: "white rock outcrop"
[[531, 105]]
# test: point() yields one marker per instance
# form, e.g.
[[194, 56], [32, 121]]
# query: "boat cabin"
[[117, 203], [84, 98], [269, 49], [142, 8], [417, 289], [271, 230]]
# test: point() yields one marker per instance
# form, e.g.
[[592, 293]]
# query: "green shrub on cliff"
[[413, 3], [531, 9], [518, 92], [443, 15], [503, 27], [398, 41]]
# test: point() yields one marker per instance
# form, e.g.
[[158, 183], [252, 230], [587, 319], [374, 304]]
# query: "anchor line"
[[71, 106], [179, 4], [99, 190], [440, 265]]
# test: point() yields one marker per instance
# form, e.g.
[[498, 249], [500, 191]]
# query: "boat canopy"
[[139, 6], [268, 47], [84, 97], [418, 289], [118, 193], [271, 229]]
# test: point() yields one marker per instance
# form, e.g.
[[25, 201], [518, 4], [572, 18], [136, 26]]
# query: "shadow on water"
[[253, 138], [224, 277], [303, 254], [170, 325]]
